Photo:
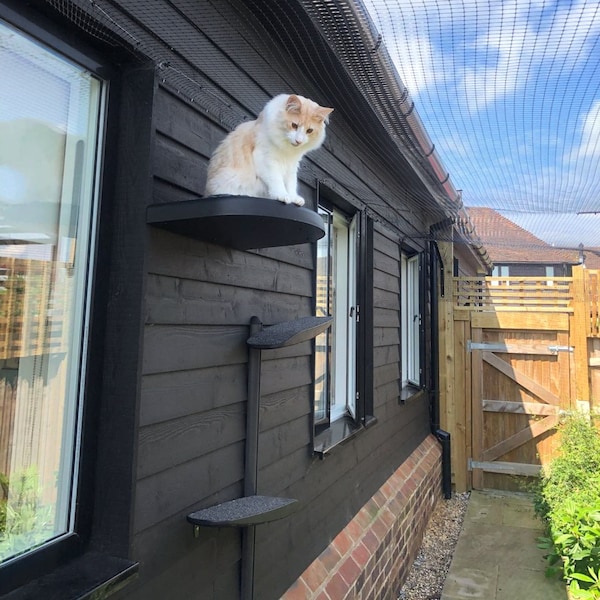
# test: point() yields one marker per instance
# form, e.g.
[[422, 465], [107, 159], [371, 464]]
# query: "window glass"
[[50, 112], [335, 377], [410, 319], [414, 325], [323, 340]]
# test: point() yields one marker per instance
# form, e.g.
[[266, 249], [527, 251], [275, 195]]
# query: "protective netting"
[[498, 99], [510, 94]]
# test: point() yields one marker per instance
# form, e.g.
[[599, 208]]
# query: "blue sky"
[[509, 92]]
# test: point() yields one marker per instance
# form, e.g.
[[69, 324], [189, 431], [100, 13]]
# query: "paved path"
[[496, 557]]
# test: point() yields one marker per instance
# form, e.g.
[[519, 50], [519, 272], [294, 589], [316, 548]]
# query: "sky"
[[509, 92]]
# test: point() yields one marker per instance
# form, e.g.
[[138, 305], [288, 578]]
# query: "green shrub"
[[568, 499]]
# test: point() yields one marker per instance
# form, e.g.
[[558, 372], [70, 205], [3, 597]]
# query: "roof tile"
[[507, 242]]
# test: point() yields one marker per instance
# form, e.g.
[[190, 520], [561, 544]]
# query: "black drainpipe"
[[437, 270]]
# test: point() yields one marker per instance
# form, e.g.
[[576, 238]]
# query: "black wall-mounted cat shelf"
[[240, 222], [251, 510]]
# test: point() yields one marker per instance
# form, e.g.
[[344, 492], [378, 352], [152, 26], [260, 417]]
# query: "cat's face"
[[304, 121]]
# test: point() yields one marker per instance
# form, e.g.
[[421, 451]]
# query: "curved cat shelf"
[[241, 222]]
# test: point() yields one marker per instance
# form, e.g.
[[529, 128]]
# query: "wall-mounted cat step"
[[240, 222], [241, 512], [289, 333], [251, 509]]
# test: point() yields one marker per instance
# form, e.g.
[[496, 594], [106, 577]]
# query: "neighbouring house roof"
[[507, 242], [592, 258]]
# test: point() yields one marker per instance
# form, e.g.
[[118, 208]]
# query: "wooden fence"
[[34, 324], [515, 354]]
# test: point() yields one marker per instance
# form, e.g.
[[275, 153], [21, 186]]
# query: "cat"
[[260, 158]]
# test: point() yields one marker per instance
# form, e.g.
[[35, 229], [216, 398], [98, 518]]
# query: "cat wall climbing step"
[[240, 222], [289, 333], [243, 512]]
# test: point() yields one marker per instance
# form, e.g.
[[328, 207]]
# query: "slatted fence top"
[[524, 294]]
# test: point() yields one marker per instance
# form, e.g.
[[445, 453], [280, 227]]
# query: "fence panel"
[[534, 353]]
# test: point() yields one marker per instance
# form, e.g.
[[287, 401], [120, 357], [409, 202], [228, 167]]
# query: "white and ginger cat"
[[261, 158]]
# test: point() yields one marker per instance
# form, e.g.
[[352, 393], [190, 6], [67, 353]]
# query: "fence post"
[[580, 322]]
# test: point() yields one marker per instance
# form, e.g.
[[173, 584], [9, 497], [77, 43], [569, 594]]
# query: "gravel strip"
[[428, 573]]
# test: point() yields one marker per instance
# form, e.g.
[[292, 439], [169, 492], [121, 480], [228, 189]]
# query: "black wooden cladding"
[[199, 298]]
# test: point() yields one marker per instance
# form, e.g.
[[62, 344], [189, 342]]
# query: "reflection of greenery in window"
[[25, 522], [48, 165]]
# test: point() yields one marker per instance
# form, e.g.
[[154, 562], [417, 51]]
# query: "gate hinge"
[[489, 346], [561, 349]]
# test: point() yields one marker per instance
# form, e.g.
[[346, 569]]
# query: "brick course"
[[371, 556]]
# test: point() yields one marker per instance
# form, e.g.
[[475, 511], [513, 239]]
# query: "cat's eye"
[[309, 130], [294, 125]]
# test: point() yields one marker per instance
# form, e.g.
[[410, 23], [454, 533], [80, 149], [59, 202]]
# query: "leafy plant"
[[568, 499]]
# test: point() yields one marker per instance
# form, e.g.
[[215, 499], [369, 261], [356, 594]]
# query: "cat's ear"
[[323, 113], [293, 104]]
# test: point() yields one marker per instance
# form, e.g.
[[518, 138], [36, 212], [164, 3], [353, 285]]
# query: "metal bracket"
[[558, 349], [490, 347]]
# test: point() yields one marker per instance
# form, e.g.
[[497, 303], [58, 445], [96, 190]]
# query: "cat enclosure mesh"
[[493, 104]]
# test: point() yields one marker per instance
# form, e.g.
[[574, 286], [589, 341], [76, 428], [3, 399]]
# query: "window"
[[341, 353], [412, 319], [335, 395], [48, 199], [69, 379], [499, 271]]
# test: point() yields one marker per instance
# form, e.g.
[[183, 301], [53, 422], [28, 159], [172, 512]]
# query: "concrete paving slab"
[[469, 582], [496, 557]]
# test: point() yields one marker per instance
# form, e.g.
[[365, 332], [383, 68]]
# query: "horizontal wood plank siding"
[[387, 376], [199, 299]]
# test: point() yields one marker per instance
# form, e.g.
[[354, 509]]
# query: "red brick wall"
[[371, 556]]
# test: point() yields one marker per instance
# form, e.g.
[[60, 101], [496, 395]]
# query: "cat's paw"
[[298, 200]]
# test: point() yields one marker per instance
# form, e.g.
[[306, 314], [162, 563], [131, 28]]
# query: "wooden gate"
[[521, 357]]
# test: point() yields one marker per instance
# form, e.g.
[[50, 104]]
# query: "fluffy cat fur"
[[261, 158]]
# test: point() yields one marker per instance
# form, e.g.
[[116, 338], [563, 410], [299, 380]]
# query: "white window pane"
[[335, 365], [414, 321], [341, 307], [48, 145], [404, 319], [323, 340], [352, 315]]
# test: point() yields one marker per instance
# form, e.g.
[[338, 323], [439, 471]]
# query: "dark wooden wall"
[[199, 300]]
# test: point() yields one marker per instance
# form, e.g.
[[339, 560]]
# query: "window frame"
[[413, 287], [99, 546], [328, 432], [63, 261]]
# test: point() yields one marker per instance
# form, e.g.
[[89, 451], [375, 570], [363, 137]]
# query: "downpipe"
[[443, 438]]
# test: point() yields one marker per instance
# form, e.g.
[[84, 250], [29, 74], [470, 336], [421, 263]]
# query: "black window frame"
[[96, 556], [327, 434], [410, 391]]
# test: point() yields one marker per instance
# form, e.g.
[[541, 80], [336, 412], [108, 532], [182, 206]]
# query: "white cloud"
[[590, 134], [491, 49], [499, 85]]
